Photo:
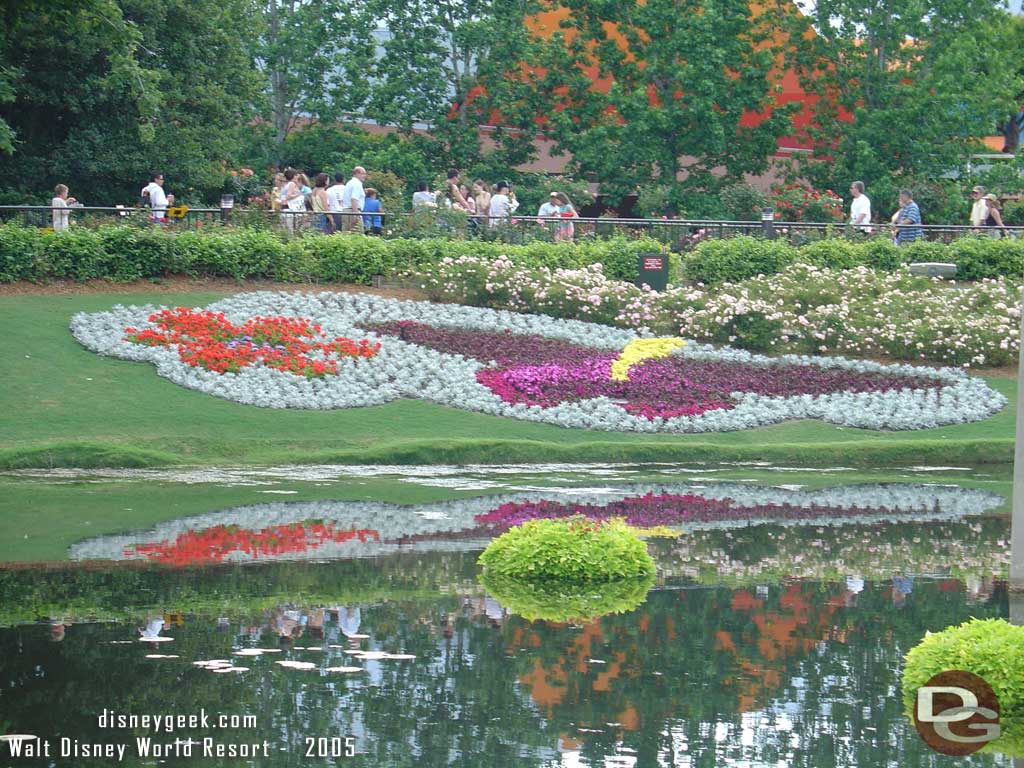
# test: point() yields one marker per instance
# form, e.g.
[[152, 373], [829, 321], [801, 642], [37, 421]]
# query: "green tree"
[[314, 55], [904, 90], [104, 91], [458, 65], [674, 81]]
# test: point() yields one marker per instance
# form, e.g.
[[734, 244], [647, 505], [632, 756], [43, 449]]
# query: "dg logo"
[[957, 713]]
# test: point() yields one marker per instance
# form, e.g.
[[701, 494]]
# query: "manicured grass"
[[65, 406]]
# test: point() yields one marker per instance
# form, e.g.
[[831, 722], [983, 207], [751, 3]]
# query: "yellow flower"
[[177, 212], [639, 350]]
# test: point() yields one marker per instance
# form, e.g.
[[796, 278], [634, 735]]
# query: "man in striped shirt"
[[908, 220]]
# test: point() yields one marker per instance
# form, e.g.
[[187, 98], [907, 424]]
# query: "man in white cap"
[[548, 209]]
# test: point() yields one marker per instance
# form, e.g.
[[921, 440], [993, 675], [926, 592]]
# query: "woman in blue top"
[[371, 204]]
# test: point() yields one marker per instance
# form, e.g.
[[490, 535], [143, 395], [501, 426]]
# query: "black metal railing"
[[679, 234]]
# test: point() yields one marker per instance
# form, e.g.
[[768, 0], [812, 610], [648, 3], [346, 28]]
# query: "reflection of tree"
[[503, 696]]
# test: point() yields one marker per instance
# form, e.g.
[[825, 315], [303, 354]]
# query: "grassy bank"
[[65, 406]]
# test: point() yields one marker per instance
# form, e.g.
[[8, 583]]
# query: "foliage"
[[569, 551], [452, 64], [124, 253], [738, 258], [901, 94], [682, 81], [802, 202], [993, 649], [136, 86], [313, 56], [555, 602], [743, 202]]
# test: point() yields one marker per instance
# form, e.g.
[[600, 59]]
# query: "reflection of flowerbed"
[[229, 542], [555, 372], [652, 510], [208, 340], [469, 523]]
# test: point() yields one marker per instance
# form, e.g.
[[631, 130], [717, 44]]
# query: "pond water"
[[774, 635]]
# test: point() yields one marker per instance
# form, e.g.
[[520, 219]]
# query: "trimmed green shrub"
[[553, 602], [574, 550], [993, 649], [125, 253], [738, 258]]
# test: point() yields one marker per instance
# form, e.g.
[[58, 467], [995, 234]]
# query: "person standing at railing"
[[352, 201], [908, 221], [423, 197], [334, 194], [59, 204], [501, 204], [994, 221], [320, 203], [158, 199], [294, 201], [860, 208], [979, 210], [371, 224], [482, 195], [566, 230]]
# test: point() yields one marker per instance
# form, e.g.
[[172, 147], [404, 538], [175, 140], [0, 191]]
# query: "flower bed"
[[556, 371], [207, 340]]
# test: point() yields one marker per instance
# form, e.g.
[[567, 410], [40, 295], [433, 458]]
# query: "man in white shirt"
[[860, 208], [501, 206], [352, 199], [979, 210], [158, 201], [334, 194], [548, 208]]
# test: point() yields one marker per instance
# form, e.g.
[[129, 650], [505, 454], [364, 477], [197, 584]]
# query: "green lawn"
[[65, 406]]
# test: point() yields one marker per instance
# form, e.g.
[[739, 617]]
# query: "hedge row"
[[123, 254], [739, 258]]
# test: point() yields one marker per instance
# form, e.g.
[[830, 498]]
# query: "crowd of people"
[[986, 214], [351, 206]]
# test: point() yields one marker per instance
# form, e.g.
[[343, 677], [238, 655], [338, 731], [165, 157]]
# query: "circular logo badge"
[[956, 713]]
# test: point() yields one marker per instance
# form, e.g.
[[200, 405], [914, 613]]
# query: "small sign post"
[[227, 202], [652, 269], [768, 223]]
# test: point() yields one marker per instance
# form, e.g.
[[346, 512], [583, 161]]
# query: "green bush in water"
[[574, 550], [571, 602]]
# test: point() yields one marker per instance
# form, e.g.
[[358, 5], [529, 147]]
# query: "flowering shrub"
[[207, 340], [230, 542], [801, 309], [802, 202]]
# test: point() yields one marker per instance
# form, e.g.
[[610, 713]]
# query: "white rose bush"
[[333, 350]]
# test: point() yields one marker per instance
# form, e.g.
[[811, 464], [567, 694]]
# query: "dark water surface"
[[773, 637]]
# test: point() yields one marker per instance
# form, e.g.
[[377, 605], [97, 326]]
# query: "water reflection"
[[801, 673]]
